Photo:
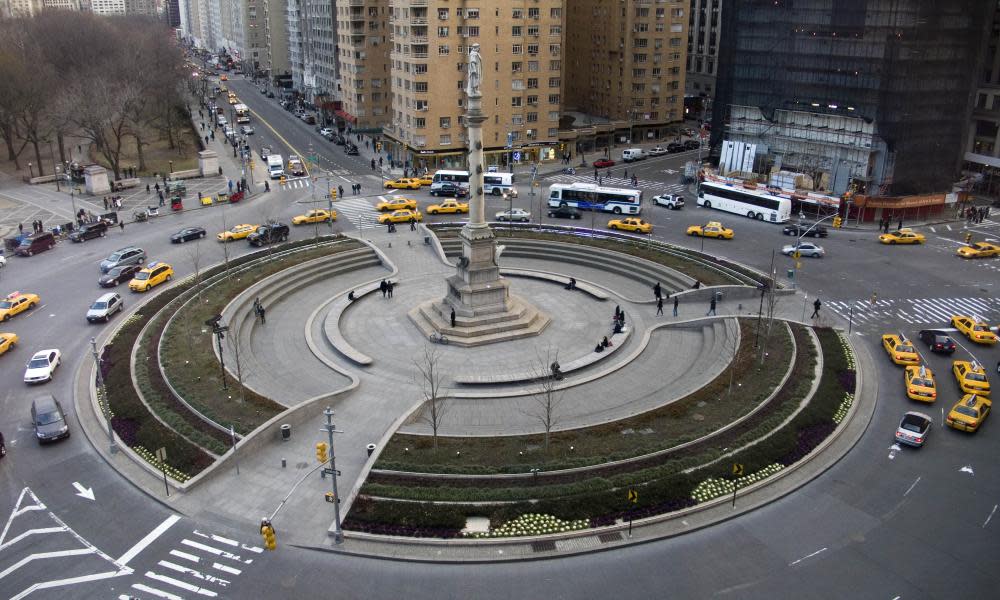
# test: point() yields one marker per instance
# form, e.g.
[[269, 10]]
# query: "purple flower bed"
[[848, 380], [400, 530], [807, 439]]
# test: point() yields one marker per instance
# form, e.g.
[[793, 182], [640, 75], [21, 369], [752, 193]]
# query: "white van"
[[275, 166], [630, 154]]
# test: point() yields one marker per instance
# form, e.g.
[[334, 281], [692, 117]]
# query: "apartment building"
[[982, 142], [363, 45], [521, 43], [702, 55], [107, 7], [626, 66]]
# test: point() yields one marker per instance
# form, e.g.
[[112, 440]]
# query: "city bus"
[[444, 176], [734, 198], [589, 196], [242, 113], [497, 183]]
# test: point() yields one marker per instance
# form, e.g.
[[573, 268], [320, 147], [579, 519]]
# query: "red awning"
[[346, 115]]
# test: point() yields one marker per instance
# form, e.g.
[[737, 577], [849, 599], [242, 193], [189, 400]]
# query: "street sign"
[[161, 454], [738, 469], [633, 496], [517, 157]]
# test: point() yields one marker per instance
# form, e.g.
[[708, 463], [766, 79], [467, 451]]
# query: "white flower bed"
[[848, 353], [712, 488], [151, 459], [532, 524], [845, 405]]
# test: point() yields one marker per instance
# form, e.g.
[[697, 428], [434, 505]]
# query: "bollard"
[[370, 448], [283, 463]]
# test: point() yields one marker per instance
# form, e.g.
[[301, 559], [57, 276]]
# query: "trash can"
[[427, 240], [370, 448], [286, 432], [718, 296], [791, 274]]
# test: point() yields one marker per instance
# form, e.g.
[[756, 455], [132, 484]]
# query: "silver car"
[[913, 429], [105, 307], [130, 255]]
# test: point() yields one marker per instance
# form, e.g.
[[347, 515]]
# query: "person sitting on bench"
[[350, 296], [572, 284], [556, 372], [618, 327], [599, 348], [605, 342]]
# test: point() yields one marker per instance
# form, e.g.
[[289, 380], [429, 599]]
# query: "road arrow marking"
[[83, 492]]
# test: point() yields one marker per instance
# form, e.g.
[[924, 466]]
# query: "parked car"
[[799, 229], [691, 145], [338, 139], [565, 212], [937, 341], [268, 233], [187, 234], [913, 429], [514, 214], [673, 147], [129, 255], [105, 307], [657, 151], [42, 366], [671, 201], [48, 419], [35, 243], [804, 249], [119, 274], [89, 231], [325, 132], [246, 130], [351, 150]]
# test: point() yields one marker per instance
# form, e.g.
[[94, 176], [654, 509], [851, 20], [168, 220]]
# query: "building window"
[[555, 13], [554, 82], [515, 67], [472, 13], [533, 30], [472, 31], [554, 98], [532, 83], [420, 86], [445, 139], [517, 84], [516, 49], [532, 117], [552, 132], [533, 66], [444, 122], [517, 31], [442, 32], [533, 13], [554, 49], [532, 100], [515, 101], [419, 69], [517, 13], [443, 50], [553, 115], [517, 119], [442, 14], [419, 122], [555, 30], [421, 104]]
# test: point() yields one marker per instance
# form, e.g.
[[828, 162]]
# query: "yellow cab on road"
[[448, 206], [238, 232], [425, 179], [971, 377], [401, 216], [397, 203], [979, 250], [16, 303], [920, 384], [7, 341], [900, 350], [712, 229], [969, 413], [316, 215], [902, 236], [631, 224], [403, 184], [974, 329], [153, 275]]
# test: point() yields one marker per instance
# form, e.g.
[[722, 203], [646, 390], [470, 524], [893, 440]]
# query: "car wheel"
[[577, 217], [617, 210], [892, 242], [103, 233], [751, 215], [169, 277], [501, 219], [202, 234], [760, 216], [496, 191], [5, 317], [563, 205], [551, 215], [30, 253], [708, 204], [183, 239], [284, 237], [613, 227]]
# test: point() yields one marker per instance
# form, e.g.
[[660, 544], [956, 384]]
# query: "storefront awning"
[[899, 202]]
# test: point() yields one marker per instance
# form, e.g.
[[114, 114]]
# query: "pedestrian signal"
[[837, 222], [321, 454]]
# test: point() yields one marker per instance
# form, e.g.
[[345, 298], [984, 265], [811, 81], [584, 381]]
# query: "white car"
[[671, 201], [41, 366], [805, 249], [515, 214], [326, 132], [3, 261], [657, 151], [246, 130]]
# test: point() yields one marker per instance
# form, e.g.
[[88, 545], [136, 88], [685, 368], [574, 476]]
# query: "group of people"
[[259, 310], [391, 227], [114, 202], [885, 223], [976, 214], [36, 227], [600, 178], [658, 294], [386, 286]]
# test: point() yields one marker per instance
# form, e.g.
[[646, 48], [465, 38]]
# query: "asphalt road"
[[882, 523]]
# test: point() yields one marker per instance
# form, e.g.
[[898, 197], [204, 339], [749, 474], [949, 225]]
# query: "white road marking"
[[913, 485], [948, 227], [933, 230], [181, 584], [193, 573], [967, 470], [68, 581], [185, 556], [156, 592], [987, 522], [149, 539], [216, 551], [42, 555], [32, 532], [795, 562], [217, 538], [83, 492], [226, 569]]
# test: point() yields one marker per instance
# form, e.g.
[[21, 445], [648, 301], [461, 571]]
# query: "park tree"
[[546, 401], [430, 379]]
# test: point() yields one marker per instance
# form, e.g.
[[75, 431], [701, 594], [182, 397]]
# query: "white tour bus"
[[444, 176], [755, 204], [497, 183], [242, 113], [588, 196]]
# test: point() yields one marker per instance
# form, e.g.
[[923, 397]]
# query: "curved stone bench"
[[617, 340], [586, 287], [331, 326]]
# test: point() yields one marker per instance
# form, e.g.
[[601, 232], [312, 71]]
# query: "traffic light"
[[837, 221], [267, 532], [333, 194], [968, 238], [321, 454], [378, 146]]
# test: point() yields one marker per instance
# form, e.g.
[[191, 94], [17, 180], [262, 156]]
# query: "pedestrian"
[[676, 302], [373, 164], [635, 181], [625, 176], [121, 225], [262, 312], [206, 140], [657, 291], [20, 228], [899, 225], [453, 317], [389, 287], [212, 134], [340, 191], [600, 181], [816, 306], [595, 174], [413, 225], [711, 307], [105, 203], [874, 299], [157, 186], [256, 305], [659, 306], [147, 188], [380, 161], [618, 312], [161, 197], [383, 287], [886, 228]]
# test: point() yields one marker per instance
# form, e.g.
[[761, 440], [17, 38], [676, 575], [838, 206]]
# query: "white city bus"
[[445, 176], [242, 113], [497, 183], [759, 205], [588, 196]]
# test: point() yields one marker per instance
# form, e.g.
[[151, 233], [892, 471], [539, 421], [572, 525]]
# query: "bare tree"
[[766, 318], [429, 380], [15, 74], [546, 402], [194, 257]]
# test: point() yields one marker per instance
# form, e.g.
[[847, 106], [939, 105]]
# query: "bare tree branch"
[[546, 402], [429, 380]]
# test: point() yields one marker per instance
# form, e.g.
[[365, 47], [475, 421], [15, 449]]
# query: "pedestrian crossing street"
[[659, 187], [915, 311], [359, 211], [202, 565]]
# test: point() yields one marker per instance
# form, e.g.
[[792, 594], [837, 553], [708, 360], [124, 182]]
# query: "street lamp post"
[[113, 445], [31, 171], [330, 429]]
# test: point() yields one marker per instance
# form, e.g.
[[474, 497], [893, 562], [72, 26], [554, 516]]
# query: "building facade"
[[982, 144], [871, 95], [703, 54], [363, 45], [107, 7]]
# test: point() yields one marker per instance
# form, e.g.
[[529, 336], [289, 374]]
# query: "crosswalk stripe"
[[185, 556], [193, 573], [156, 592], [181, 584], [226, 569]]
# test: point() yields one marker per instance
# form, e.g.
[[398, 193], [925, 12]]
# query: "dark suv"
[[564, 212], [801, 228], [268, 234], [937, 341], [89, 231]]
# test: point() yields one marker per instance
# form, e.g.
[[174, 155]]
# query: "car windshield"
[[38, 363], [910, 426], [141, 275], [115, 272], [48, 418], [923, 382], [6, 304], [114, 258], [980, 327], [976, 377], [99, 305], [904, 348], [967, 411]]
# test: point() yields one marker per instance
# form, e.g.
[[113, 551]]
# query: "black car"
[[675, 147], [801, 228], [564, 212], [451, 190], [268, 234], [89, 231], [48, 419], [118, 274], [691, 145], [338, 139], [186, 235], [937, 341], [351, 150]]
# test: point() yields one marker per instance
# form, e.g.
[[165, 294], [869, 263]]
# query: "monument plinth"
[[484, 310]]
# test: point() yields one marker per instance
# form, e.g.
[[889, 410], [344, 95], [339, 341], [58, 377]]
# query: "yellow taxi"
[[16, 303], [233, 99], [979, 250], [969, 413], [974, 329], [902, 236], [397, 203], [316, 215], [401, 216], [712, 229], [153, 275], [7, 341], [920, 384], [425, 179], [403, 184], [223, 77], [900, 350], [631, 224], [238, 232], [971, 377], [448, 206]]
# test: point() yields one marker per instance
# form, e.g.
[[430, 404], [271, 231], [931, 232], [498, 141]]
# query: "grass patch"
[[689, 418], [683, 261]]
